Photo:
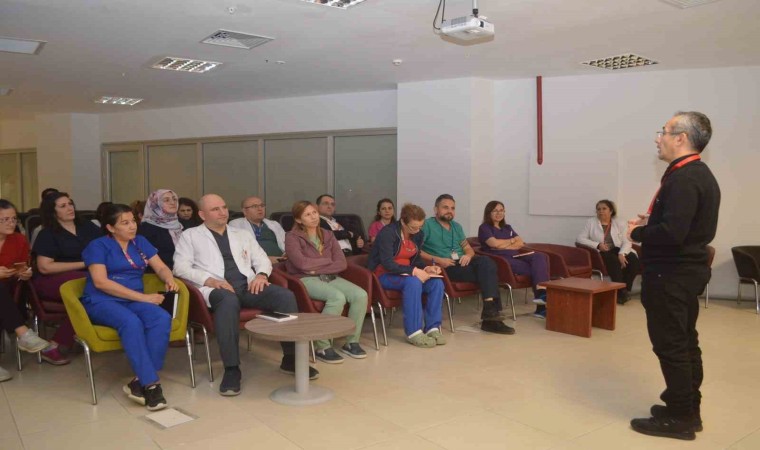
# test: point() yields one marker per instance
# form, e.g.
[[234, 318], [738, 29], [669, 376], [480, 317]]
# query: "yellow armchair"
[[99, 338]]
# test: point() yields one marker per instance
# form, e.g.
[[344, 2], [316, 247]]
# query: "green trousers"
[[336, 294]]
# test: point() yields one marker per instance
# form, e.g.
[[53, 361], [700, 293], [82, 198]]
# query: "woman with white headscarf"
[[160, 224]]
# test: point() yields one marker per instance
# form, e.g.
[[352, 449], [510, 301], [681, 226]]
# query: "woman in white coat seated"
[[608, 237]]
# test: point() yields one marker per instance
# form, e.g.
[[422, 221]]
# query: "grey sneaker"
[[5, 375], [329, 356], [30, 342], [354, 350], [438, 336]]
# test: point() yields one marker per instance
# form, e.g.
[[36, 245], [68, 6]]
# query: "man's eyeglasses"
[[661, 133], [5, 220], [257, 206]]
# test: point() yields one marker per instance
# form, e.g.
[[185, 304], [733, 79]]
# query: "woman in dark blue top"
[[57, 252], [114, 297]]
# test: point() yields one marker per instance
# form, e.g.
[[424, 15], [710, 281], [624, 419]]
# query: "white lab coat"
[[243, 224], [197, 257], [593, 235]]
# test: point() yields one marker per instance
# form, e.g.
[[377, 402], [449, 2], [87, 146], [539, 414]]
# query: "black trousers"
[[616, 272], [226, 306], [669, 296], [10, 317], [481, 270]]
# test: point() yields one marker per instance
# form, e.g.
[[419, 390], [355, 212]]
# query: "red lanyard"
[[670, 170]]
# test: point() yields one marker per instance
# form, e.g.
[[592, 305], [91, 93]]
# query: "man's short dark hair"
[[443, 197], [696, 126], [319, 199]]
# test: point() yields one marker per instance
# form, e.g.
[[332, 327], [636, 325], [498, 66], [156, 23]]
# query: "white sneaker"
[[31, 343], [5, 375]]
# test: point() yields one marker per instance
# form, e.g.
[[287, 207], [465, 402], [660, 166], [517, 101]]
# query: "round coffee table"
[[307, 327]]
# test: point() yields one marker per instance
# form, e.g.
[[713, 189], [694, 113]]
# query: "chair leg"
[[390, 320], [512, 303], [88, 364], [190, 357], [451, 312], [374, 327], [192, 337], [757, 300], [249, 342], [459, 300], [208, 353], [382, 324], [312, 352], [739, 292], [36, 323], [707, 294], [18, 356], [526, 295]]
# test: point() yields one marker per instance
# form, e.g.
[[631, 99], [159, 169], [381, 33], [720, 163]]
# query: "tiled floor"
[[534, 390]]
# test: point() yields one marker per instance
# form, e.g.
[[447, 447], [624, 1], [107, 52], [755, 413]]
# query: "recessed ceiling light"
[[683, 4], [236, 39], [5, 91], [185, 65], [124, 101], [342, 4], [625, 61], [26, 46]]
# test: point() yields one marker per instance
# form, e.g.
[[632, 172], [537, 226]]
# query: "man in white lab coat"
[[231, 271]]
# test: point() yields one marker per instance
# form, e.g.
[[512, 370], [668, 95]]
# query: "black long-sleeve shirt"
[[684, 217]]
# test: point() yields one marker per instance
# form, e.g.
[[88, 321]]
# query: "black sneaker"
[[492, 326], [288, 366], [154, 398], [329, 356], [135, 392], [354, 350], [660, 411], [669, 427], [623, 296], [230, 385], [491, 313]]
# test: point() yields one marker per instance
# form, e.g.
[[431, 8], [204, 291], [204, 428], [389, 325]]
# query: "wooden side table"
[[574, 305], [307, 327]]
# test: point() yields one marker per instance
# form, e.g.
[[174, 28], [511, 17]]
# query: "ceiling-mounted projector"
[[467, 28]]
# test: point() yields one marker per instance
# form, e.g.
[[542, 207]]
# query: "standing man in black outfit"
[[681, 221]]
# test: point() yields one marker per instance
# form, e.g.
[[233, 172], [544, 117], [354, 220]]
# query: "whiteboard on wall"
[[571, 182]]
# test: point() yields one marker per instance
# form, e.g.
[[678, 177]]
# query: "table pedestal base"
[[287, 395]]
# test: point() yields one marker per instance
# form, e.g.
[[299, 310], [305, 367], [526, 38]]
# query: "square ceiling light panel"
[[25, 46], [185, 65], [123, 101], [625, 61], [236, 39], [342, 4]]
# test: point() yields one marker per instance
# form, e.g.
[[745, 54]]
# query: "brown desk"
[[574, 305], [307, 327]]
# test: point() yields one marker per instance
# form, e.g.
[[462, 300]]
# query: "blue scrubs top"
[[106, 251]]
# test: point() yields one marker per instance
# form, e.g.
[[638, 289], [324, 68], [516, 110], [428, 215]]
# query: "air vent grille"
[[625, 61], [683, 4], [236, 39], [123, 101]]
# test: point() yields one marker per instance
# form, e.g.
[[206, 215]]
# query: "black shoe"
[[491, 313], [230, 385], [669, 427], [329, 356], [623, 296], [288, 366], [496, 327], [135, 392], [154, 398], [660, 411]]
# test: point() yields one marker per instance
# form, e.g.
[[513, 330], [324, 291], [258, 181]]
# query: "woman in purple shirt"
[[497, 237]]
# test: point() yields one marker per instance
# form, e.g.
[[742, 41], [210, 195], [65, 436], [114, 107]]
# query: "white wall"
[[360, 110], [17, 134], [621, 113], [86, 186]]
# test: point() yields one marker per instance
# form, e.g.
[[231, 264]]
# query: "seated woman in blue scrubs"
[[114, 297]]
